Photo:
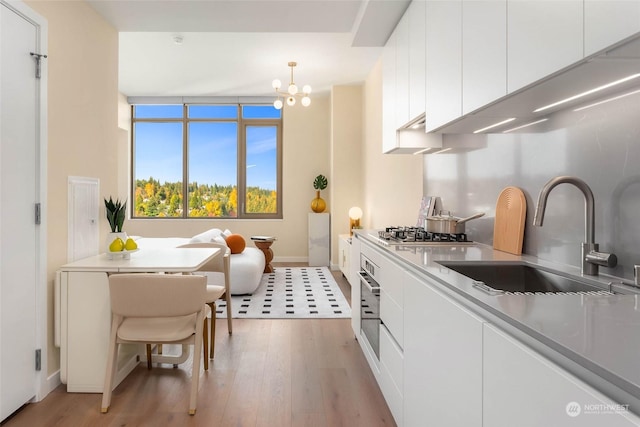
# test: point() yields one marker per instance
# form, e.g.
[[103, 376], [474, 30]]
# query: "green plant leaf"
[[320, 183]]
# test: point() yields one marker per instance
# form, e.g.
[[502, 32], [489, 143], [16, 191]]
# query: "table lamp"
[[355, 213]]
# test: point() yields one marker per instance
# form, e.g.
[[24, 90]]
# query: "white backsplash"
[[600, 145]]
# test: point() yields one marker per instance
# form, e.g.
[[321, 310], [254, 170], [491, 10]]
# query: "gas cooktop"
[[419, 236]]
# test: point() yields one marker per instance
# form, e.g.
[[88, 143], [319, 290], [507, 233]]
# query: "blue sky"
[[212, 146]]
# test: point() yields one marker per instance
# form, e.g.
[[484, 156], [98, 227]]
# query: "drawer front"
[[392, 357], [391, 375], [392, 316]]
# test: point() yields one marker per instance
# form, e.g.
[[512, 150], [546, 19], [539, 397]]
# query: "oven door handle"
[[363, 280]]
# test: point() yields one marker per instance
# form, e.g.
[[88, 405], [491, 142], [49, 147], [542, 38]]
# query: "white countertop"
[[169, 260], [600, 333]]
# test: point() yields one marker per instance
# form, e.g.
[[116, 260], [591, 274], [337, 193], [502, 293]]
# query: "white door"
[[19, 174]]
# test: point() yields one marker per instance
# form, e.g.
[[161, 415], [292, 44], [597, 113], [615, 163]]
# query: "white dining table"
[[83, 311]]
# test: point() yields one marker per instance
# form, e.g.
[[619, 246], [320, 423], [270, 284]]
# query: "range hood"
[[614, 64], [412, 139]]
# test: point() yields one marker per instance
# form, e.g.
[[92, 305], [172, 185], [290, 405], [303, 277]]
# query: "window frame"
[[241, 178]]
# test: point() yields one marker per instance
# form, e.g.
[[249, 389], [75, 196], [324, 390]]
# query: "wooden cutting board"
[[508, 230]]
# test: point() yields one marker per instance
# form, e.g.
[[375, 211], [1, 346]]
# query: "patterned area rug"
[[291, 292]]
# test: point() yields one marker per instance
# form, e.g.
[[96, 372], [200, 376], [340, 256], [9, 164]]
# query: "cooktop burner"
[[418, 235]]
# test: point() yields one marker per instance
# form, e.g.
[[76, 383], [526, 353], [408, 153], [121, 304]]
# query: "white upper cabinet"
[[389, 94], [402, 71], [544, 36], [443, 71], [484, 52], [609, 21], [417, 54]]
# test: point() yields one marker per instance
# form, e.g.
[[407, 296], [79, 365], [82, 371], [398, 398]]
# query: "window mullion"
[[185, 163]]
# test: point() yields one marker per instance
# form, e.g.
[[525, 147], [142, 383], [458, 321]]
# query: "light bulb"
[[291, 101], [276, 84], [355, 213], [277, 104], [306, 101], [306, 89], [293, 89]]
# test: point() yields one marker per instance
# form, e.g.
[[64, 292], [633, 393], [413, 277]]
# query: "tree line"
[[153, 199]]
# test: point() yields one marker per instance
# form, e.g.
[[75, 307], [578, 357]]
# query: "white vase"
[[113, 236]]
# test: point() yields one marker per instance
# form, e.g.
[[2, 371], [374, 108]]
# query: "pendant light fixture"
[[292, 92]]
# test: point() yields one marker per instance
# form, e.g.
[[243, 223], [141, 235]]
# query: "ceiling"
[[237, 47]]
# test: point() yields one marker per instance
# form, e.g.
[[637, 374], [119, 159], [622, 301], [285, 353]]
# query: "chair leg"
[[110, 374], [195, 373], [205, 344], [213, 328], [227, 296], [149, 357]]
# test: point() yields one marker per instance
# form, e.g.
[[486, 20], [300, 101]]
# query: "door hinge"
[[38, 360], [38, 58], [38, 214]]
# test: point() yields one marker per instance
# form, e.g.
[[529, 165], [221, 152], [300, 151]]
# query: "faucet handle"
[[636, 275], [602, 258]]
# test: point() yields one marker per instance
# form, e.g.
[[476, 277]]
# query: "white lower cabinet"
[[442, 359], [523, 388]]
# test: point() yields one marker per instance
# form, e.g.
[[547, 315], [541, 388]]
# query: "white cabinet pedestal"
[[319, 239]]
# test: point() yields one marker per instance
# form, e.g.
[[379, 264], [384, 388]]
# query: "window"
[[226, 159]]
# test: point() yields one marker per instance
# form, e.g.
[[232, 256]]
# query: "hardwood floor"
[[292, 372]]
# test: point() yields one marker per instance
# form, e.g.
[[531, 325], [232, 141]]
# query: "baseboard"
[[290, 259], [47, 386]]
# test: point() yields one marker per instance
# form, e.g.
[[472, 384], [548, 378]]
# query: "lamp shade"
[[355, 213]]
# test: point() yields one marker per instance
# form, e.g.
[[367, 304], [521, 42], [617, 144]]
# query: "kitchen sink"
[[518, 277]]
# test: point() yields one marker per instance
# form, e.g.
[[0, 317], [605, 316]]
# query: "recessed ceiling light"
[[495, 125], [442, 151], [607, 100], [589, 92], [524, 126], [424, 150]]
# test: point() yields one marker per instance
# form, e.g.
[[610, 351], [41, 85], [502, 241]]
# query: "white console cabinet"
[[344, 255]]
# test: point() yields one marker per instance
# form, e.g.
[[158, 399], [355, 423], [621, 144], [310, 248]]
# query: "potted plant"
[[318, 204], [116, 212]]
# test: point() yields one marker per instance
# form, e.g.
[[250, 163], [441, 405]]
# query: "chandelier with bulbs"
[[291, 93]]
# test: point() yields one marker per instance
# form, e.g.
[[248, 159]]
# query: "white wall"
[[82, 113], [392, 182]]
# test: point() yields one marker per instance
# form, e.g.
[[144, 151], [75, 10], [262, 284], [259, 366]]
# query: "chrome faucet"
[[591, 258]]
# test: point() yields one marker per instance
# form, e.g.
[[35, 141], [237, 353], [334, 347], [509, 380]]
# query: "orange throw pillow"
[[236, 243]]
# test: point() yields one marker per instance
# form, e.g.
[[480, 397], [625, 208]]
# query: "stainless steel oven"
[[370, 304]]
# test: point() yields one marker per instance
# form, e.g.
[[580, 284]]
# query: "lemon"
[[117, 245], [130, 244]]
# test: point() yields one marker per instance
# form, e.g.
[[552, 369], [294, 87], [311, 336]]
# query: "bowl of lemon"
[[120, 248]]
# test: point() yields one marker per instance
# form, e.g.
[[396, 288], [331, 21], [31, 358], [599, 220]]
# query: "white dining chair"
[[156, 308], [215, 291]]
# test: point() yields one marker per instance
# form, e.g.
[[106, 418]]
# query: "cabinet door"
[[417, 28], [519, 384], [544, 37], [442, 359], [389, 94], [484, 52], [402, 71], [609, 21], [354, 279], [443, 70]]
